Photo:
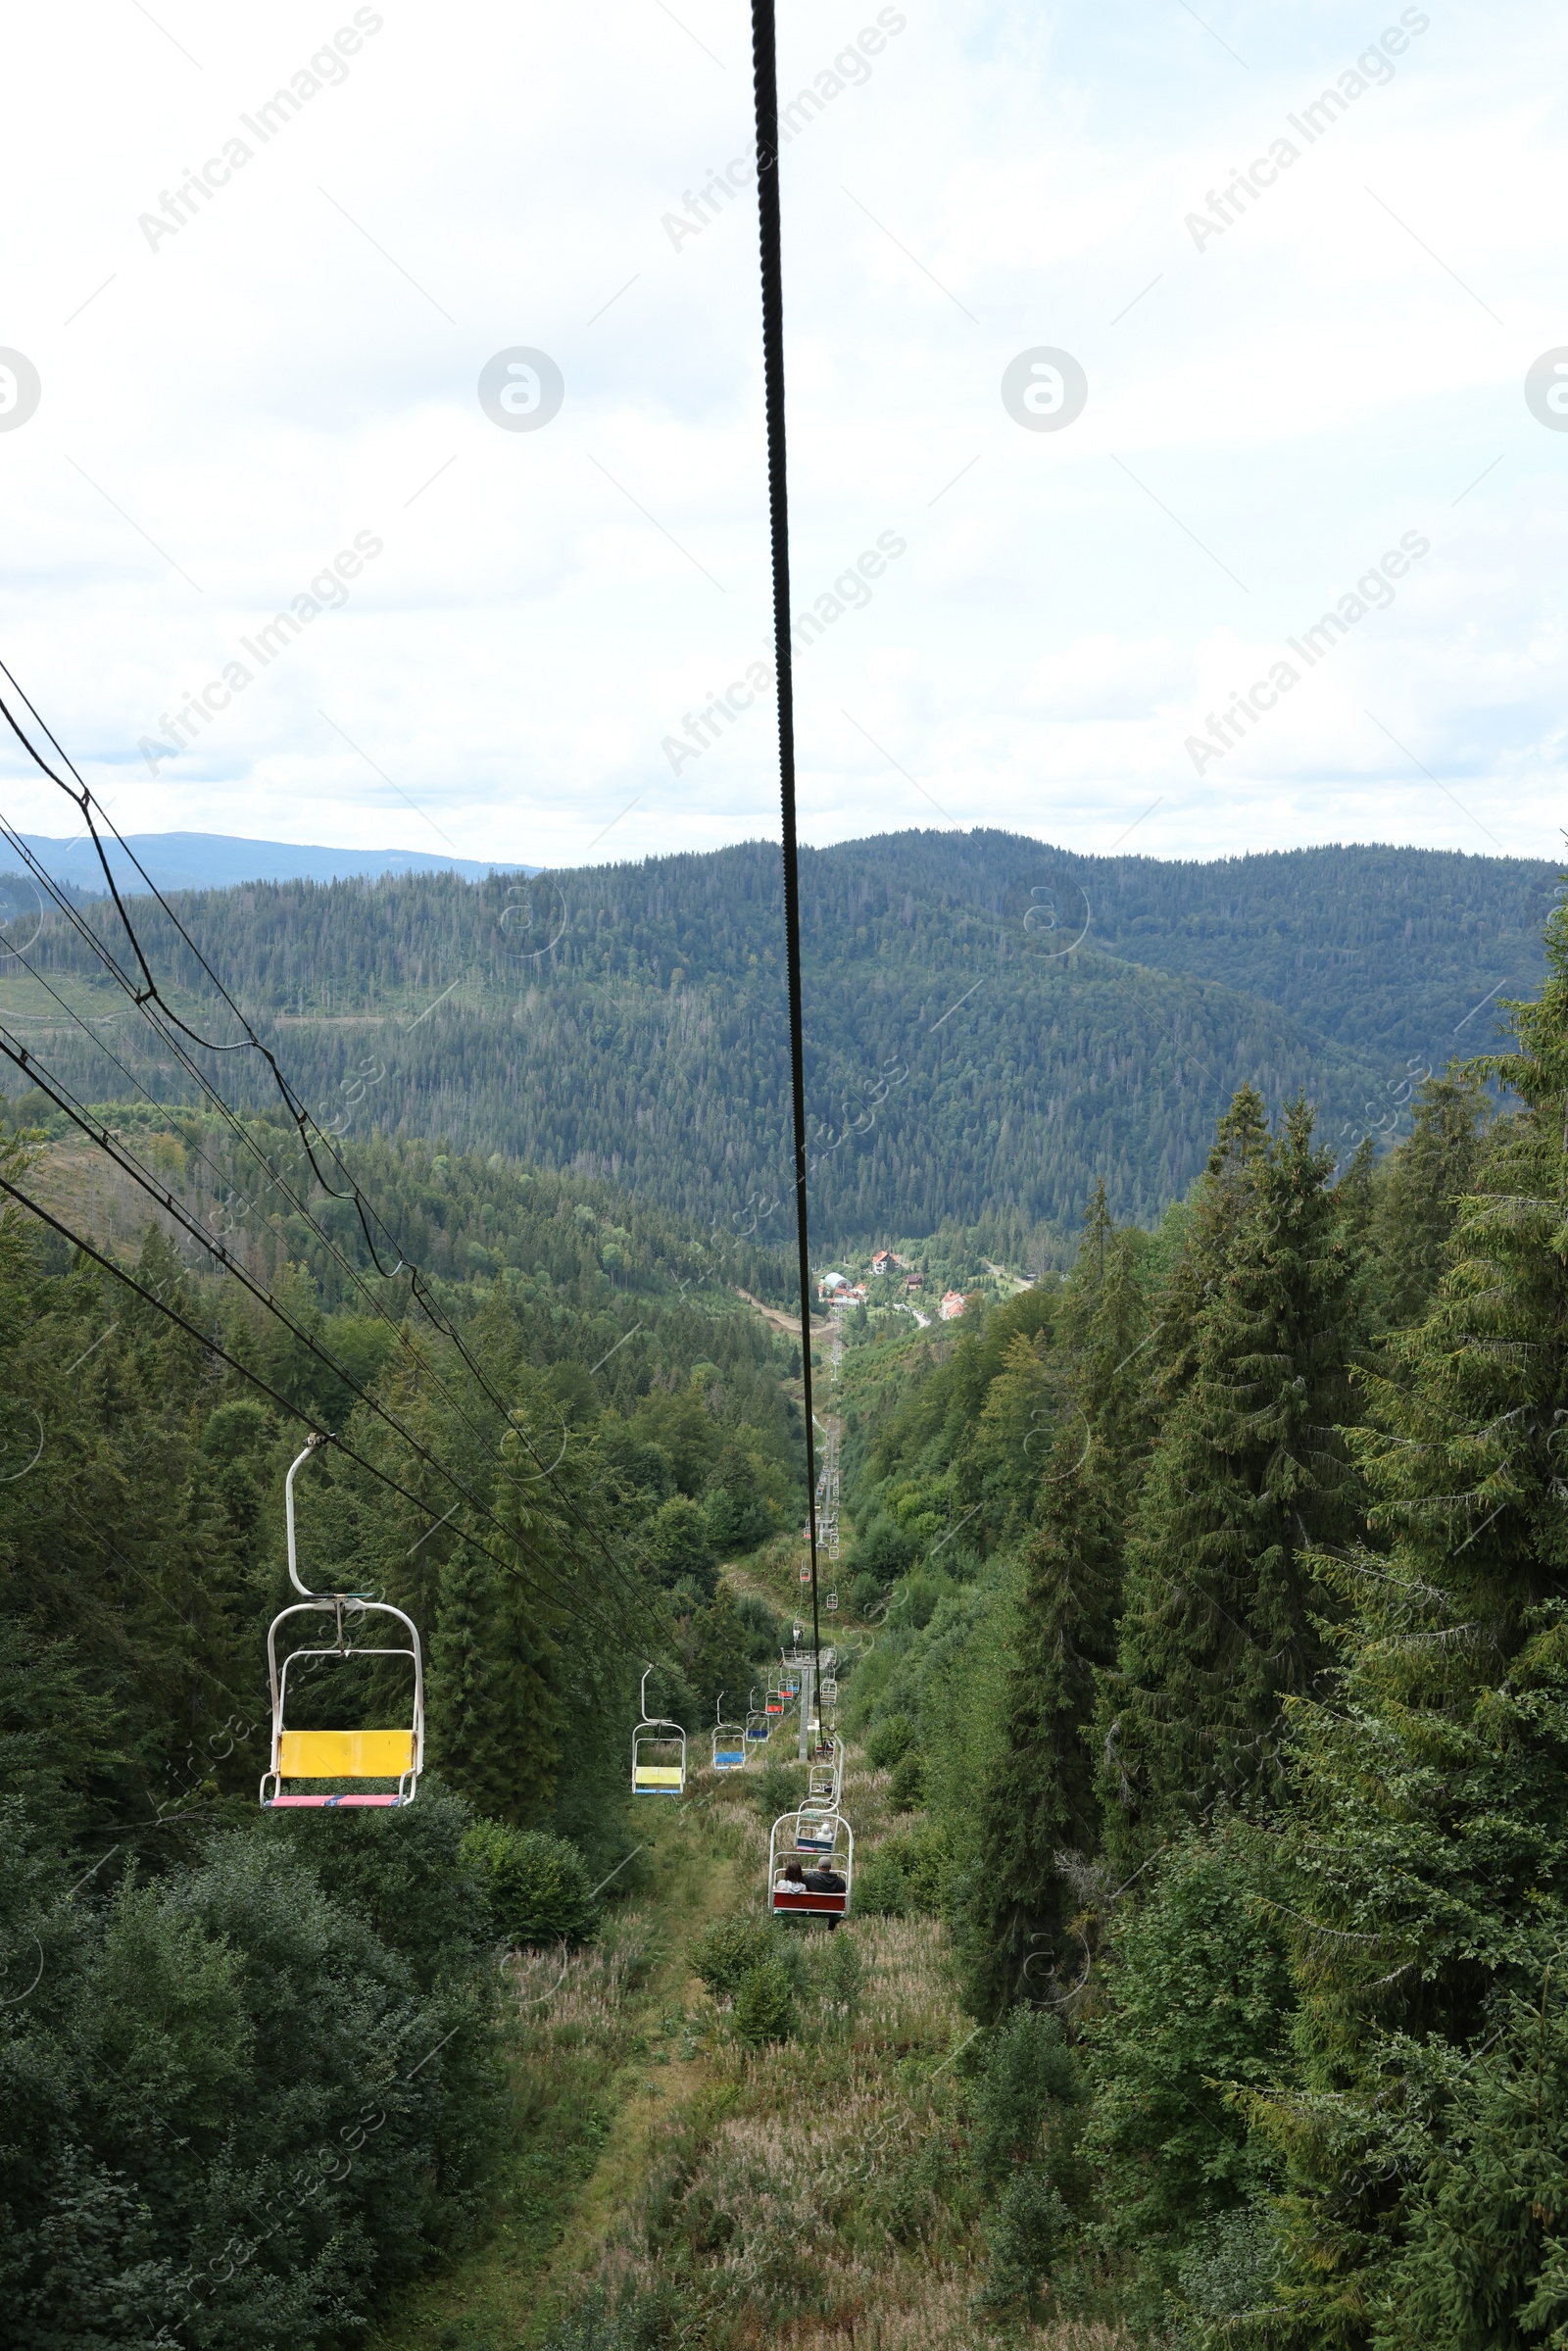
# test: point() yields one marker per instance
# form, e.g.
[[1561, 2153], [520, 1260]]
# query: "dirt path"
[[788, 1323]]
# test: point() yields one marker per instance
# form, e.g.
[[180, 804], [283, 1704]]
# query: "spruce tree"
[[1038, 1799], [1419, 1189], [1430, 1839], [1218, 1201], [1248, 1473]]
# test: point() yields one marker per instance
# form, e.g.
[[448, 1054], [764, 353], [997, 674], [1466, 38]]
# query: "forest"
[[1224, 1673], [993, 1026], [226, 2117], [1202, 1630]]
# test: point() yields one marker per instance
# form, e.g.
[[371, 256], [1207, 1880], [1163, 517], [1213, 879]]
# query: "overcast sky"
[[234, 388]]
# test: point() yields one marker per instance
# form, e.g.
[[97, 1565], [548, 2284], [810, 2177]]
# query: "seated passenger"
[[824, 1881], [791, 1882]]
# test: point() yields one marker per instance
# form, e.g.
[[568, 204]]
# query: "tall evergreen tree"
[[1039, 1798], [1247, 1473], [1422, 1183], [1431, 1835]]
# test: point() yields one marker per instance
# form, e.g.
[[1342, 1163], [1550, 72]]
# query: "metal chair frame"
[[337, 1604], [729, 1741], [657, 1731], [805, 1902]]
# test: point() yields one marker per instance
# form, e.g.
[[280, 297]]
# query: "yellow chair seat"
[[345, 1754], [658, 1775]]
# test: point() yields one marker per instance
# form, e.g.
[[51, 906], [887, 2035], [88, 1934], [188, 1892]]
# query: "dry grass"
[[814, 2192], [568, 1997]]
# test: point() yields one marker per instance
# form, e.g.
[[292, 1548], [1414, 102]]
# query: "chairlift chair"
[[338, 1754], [657, 1753], [729, 1741], [825, 1778], [793, 1898]]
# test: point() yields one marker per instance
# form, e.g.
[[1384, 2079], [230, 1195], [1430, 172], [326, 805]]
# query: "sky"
[[451, 357]]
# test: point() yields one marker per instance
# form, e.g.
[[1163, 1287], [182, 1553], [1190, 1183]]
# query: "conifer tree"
[[1421, 1186], [1218, 1201], [1430, 1838], [1039, 1798], [1248, 1472], [720, 1660]]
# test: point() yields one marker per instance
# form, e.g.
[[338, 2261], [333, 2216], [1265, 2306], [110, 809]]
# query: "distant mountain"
[[220, 861], [991, 1025]]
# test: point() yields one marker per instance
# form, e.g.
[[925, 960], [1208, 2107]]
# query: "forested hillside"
[[992, 1027], [1202, 1633], [1223, 1589], [251, 2073]]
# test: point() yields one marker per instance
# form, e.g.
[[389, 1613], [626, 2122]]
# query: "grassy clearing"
[[671, 2185]]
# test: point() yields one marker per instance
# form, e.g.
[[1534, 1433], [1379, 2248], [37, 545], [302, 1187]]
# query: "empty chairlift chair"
[[729, 1742], [757, 1726], [657, 1753], [825, 1781], [297, 1754], [793, 1866]]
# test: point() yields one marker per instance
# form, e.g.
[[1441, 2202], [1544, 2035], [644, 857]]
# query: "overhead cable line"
[[764, 62], [31, 1065], [128, 1164], [149, 997]]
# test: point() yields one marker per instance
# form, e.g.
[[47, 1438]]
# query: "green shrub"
[[537, 1885], [730, 1950], [778, 1788], [911, 1872], [841, 1974], [906, 1793], [864, 1594], [881, 1888], [1024, 2237], [1027, 2097], [890, 1742], [764, 2004]]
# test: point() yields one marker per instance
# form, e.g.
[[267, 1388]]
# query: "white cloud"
[[1265, 417]]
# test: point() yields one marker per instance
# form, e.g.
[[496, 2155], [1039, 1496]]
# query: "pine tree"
[[1247, 1473], [1039, 1798], [1421, 1186], [1430, 1839], [1218, 1201]]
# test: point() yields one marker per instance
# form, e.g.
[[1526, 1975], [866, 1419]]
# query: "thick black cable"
[[764, 66]]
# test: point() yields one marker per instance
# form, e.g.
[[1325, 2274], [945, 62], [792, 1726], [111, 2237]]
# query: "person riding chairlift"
[[812, 1881]]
